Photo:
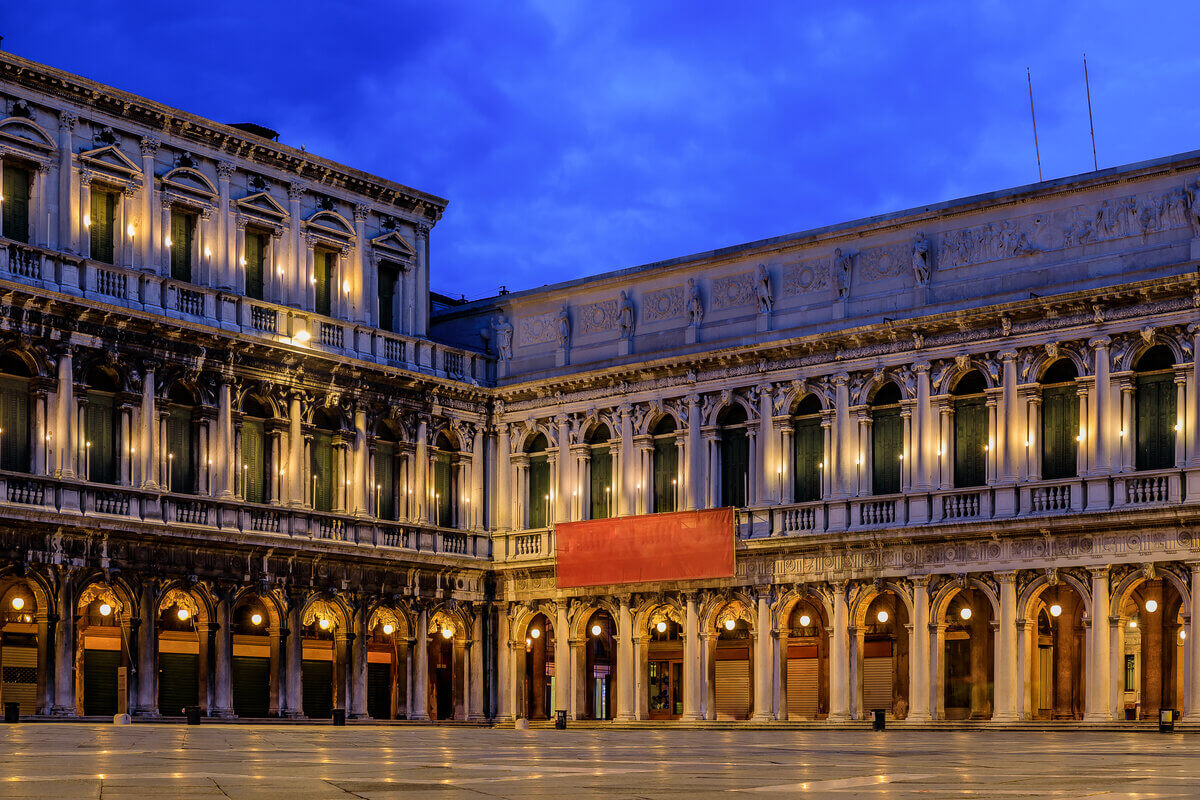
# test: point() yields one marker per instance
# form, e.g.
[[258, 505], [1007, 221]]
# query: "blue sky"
[[575, 138]]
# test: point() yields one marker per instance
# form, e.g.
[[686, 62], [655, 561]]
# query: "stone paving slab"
[[410, 763]]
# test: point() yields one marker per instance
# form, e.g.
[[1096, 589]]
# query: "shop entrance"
[[666, 689]]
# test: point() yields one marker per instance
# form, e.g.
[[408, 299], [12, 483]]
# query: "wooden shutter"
[[735, 467], [733, 689], [322, 469], [180, 444], [254, 441], [317, 688], [385, 479], [100, 682], [181, 246], [877, 683], [808, 442], [970, 437], [16, 204], [1060, 425], [802, 687], [599, 481], [666, 470], [255, 254], [1155, 408], [101, 231], [251, 679], [443, 490], [18, 672], [101, 432], [388, 275], [886, 448], [379, 691], [14, 424], [539, 487], [324, 269], [178, 682]]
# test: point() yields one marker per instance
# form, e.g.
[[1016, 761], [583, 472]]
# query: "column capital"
[[1005, 577], [225, 170], [1008, 355], [1099, 342], [149, 146], [1099, 572], [295, 192], [67, 120]]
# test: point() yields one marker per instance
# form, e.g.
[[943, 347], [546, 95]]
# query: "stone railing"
[[142, 290], [963, 504], [525, 545], [1148, 488]]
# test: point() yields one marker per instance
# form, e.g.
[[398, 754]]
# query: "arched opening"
[[1155, 420], [731, 668], [1056, 663], [970, 430], [664, 683], [101, 650], [386, 455], [323, 467], [22, 676], [323, 660], [734, 448], [808, 450], [666, 465], [601, 492], [446, 669], [538, 683], [539, 482], [1151, 650], [887, 440], [387, 665], [884, 646], [256, 453], [182, 453], [807, 671], [179, 655], [1060, 421], [444, 492], [15, 425], [101, 426], [599, 667], [255, 662], [967, 648]]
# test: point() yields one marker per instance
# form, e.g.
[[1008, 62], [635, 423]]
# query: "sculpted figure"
[[842, 265], [921, 260], [504, 338], [564, 327], [695, 306], [763, 290], [625, 316], [1191, 199]]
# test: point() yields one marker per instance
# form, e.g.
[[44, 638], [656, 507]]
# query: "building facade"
[[250, 466]]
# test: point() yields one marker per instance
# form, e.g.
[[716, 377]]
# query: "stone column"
[[419, 708], [846, 436], [1192, 643], [506, 669], [294, 481], [362, 494], [64, 433], [1010, 426], [919, 708], [1097, 703], [1102, 429], [474, 510], [626, 699], [294, 698], [363, 278], [476, 645], [764, 684], [691, 660], [224, 656], [695, 481], [358, 661], [225, 463], [766, 467], [502, 502], [1006, 678], [421, 268], [1181, 438], [922, 430], [839, 657], [561, 489], [64, 649], [421, 472], [562, 660]]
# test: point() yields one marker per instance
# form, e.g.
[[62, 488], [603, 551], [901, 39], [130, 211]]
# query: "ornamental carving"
[[538, 329], [734, 291], [884, 262], [805, 277], [597, 317], [663, 304]]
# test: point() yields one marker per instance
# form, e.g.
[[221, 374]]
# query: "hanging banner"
[[680, 546]]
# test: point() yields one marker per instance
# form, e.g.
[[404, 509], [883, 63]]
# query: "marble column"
[[64, 434], [224, 656], [146, 702], [764, 684], [695, 480], [420, 674], [293, 705], [691, 660], [626, 700], [475, 709], [358, 662], [839, 657], [1097, 707], [506, 669], [562, 660], [1005, 671], [1192, 690], [920, 697], [64, 649]]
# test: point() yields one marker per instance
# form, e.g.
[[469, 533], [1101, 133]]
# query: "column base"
[[916, 717], [1011, 717], [63, 711], [224, 713], [1104, 716], [765, 716], [691, 717], [293, 715], [626, 717]]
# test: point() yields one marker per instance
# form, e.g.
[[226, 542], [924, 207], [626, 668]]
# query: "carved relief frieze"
[[598, 317], [806, 277], [733, 291], [663, 304], [537, 329]]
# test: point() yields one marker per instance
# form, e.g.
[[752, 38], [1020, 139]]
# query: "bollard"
[[560, 720], [193, 715], [878, 720], [1166, 720], [12, 712], [339, 716]]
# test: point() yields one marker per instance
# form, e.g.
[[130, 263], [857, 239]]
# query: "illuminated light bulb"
[[87, 221], [256, 619], [447, 633], [596, 630], [528, 642], [805, 620], [302, 336], [243, 261], [1182, 634], [1029, 443], [105, 609], [1133, 623], [183, 614], [388, 629], [965, 613], [729, 624], [1152, 606], [18, 603], [535, 633], [324, 623], [661, 627], [1055, 610], [345, 287], [167, 241], [129, 230], [1121, 433], [208, 252], [882, 616], [1178, 426], [986, 447], [313, 279], [279, 271]]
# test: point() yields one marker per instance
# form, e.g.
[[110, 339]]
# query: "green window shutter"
[[16, 204], [102, 434], [600, 483], [254, 440], [539, 487], [442, 490], [324, 269], [886, 448], [1060, 426], [666, 470], [735, 467], [970, 438], [182, 229], [101, 230], [1155, 410], [180, 444], [255, 255], [808, 442], [322, 470], [385, 479], [387, 296], [14, 425]]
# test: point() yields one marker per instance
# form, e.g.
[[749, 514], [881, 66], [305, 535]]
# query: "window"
[[600, 476], [101, 427], [666, 465], [14, 415], [1131, 672], [1060, 421], [181, 441], [1154, 409], [100, 225], [389, 275], [255, 255], [443, 482], [539, 482], [385, 479], [321, 463], [16, 204], [183, 228], [325, 265], [735, 457], [808, 450], [970, 430], [255, 465], [887, 440]]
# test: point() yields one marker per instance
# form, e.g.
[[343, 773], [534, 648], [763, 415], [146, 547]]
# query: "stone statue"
[[625, 316], [1191, 200], [564, 327], [695, 305], [763, 290], [922, 259], [504, 338], [842, 265]]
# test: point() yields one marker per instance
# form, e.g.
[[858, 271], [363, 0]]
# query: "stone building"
[[250, 462]]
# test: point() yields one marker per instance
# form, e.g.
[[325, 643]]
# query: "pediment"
[[263, 206], [189, 181], [392, 243], [330, 223], [110, 159], [26, 133]]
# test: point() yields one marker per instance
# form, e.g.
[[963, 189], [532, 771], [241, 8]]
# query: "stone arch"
[[529, 432], [865, 595], [1045, 360], [30, 134], [1053, 646], [1029, 596], [1129, 359], [737, 607], [654, 610], [581, 614], [196, 601], [941, 600], [323, 606], [960, 370], [654, 415], [395, 614], [727, 400]]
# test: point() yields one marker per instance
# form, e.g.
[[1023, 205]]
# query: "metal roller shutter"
[[802, 687], [379, 691], [318, 689], [877, 684], [733, 689], [178, 682], [100, 682], [18, 677], [251, 686]]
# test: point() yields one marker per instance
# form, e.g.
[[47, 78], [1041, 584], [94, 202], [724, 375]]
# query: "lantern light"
[[805, 621], [882, 616], [729, 623], [183, 614], [528, 642], [965, 613], [596, 630], [535, 633], [167, 241], [129, 230], [447, 633], [324, 623], [1133, 623], [1151, 606], [1182, 633], [18, 603], [105, 609], [388, 629], [661, 627], [1055, 610], [256, 619]]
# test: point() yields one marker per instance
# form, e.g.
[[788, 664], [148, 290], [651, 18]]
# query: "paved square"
[[308, 762]]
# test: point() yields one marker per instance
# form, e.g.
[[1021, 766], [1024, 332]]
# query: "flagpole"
[[1037, 150]]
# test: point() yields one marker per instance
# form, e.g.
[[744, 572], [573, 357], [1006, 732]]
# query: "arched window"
[[14, 413], [600, 477], [321, 462], [181, 440], [735, 456], [1060, 421], [255, 466], [101, 426], [808, 449], [387, 449], [666, 465], [1154, 409], [970, 430], [887, 440], [444, 454], [539, 482]]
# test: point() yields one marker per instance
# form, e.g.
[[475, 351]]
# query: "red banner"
[[685, 545]]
